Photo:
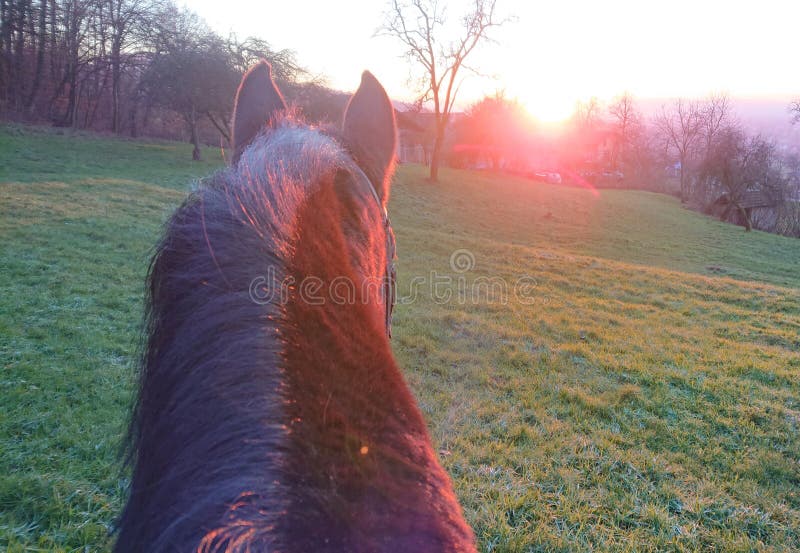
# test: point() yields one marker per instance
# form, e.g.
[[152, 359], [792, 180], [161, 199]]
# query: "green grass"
[[644, 397]]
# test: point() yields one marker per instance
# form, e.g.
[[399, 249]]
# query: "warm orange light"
[[548, 107]]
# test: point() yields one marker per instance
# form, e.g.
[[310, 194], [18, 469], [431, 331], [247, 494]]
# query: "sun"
[[548, 106]]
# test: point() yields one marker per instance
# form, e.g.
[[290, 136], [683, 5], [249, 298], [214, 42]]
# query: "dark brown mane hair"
[[269, 422]]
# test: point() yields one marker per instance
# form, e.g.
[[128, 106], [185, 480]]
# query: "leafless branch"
[[794, 108], [418, 24]]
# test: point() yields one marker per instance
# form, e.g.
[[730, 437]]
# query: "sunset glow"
[[555, 53], [548, 108]]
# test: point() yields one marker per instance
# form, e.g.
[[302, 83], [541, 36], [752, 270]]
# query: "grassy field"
[[643, 395]]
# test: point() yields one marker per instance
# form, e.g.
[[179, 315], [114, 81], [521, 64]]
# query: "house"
[[416, 132]]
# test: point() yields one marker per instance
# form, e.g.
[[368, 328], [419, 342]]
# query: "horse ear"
[[257, 102], [371, 134]]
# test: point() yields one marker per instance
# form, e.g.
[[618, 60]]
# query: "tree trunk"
[[94, 103], [683, 181], [220, 127], [132, 116], [19, 56], [116, 54], [41, 42], [194, 139], [748, 226], [148, 108], [4, 77], [68, 119], [437, 151]]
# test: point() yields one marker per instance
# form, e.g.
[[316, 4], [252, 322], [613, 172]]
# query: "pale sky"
[[557, 51]]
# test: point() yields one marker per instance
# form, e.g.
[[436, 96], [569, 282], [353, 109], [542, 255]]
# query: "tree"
[[587, 115], [581, 150], [76, 57], [285, 71], [645, 158], [40, 41], [717, 112], [104, 64], [418, 24], [194, 74], [129, 21], [741, 166], [794, 108], [318, 104], [626, 120], [16, 16], [497, 128], [716, 117], [681, 128], [285, 68]]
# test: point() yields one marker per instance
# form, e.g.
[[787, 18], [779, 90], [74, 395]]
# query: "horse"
[[274, 417]]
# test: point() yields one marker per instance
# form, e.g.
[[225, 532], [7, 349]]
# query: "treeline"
[[695, 149], [136, 67], [725, 170]]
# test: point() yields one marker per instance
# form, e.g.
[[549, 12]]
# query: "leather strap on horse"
[[389, 284]]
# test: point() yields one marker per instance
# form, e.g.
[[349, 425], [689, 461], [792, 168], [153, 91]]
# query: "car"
[[550, 177]]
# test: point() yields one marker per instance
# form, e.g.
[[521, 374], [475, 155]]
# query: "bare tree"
[[15, 17], [645, 158], [104, 64], [794, 108], [418, 24], [681, 127], [129, 22], [73, 47], [246, 53], [581, 150], [717, 113], [626, 119], [716, 116], [41, 48], [192, 74], [748, 171], [587, 114]]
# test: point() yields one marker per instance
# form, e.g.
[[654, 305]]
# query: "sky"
[[555, 52]]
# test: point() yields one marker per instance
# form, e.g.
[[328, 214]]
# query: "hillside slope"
[[604, 372]]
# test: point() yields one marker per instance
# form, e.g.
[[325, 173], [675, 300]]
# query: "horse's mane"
[[212, 353], [277, 425]]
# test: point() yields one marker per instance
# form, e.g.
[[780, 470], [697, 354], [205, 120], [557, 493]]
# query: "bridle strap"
[[390, 275], [390, 282]]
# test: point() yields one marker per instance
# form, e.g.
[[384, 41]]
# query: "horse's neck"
[[341, 246], [359, 452], [300, 407], [341, 355]]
